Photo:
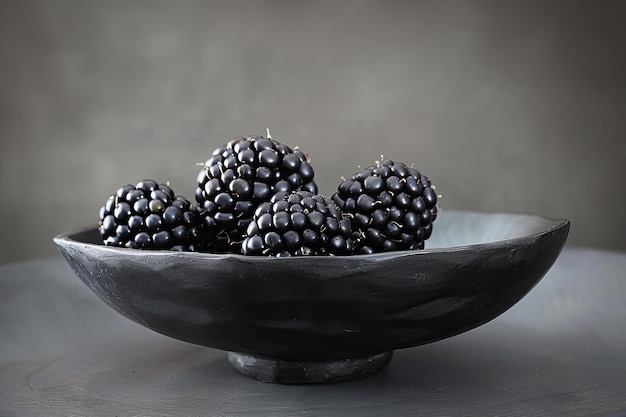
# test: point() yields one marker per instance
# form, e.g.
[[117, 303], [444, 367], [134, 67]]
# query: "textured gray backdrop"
[[508, 106]]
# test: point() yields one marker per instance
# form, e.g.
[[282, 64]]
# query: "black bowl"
[[322, 319]]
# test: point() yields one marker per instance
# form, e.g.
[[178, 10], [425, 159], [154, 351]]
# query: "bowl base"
[[278, 371]]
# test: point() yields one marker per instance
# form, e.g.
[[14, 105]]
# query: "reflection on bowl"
[[321, 319]]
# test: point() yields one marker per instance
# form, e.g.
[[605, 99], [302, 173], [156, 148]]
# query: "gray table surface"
[[560, 351]]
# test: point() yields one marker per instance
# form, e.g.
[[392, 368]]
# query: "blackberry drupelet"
[[298, 224], [392, 207], [241, 175], [150, 216]]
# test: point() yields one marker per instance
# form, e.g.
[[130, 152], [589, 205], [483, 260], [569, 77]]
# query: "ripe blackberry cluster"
[[296, 224], [257, 196], [241, 175], [392, 207], [150, 216]]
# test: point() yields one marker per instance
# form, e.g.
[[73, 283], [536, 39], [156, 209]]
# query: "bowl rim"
[[69, 237]]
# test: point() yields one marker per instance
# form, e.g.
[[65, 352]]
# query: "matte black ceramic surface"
[[308, 372], [476, 266]]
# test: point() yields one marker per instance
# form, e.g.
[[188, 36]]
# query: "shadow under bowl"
[[325, 319]]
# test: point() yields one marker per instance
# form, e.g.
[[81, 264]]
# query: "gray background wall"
[[507, 105]]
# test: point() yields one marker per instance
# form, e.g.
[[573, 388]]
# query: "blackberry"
[[150, 216], [392, 207], [297, 224], [243, 174]]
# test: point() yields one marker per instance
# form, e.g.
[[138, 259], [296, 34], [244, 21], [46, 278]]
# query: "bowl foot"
[[278, 371]]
